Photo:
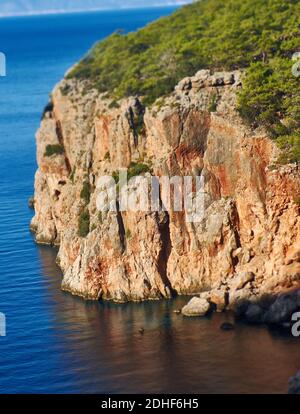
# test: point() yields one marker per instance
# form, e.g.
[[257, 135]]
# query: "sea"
[[57, 343]]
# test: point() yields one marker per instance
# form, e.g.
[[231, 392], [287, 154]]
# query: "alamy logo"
[[152, 194], [2, 324], [296, 66], [296, 325], [2, 64]]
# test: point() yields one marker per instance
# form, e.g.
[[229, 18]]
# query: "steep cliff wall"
[[248, 242]]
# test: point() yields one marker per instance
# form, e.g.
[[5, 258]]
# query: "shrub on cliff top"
[[258, 35]]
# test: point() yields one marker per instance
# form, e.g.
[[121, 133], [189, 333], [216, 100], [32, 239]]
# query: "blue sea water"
[[56, 343]]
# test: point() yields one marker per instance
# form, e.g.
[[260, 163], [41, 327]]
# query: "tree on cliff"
[[260, 36]]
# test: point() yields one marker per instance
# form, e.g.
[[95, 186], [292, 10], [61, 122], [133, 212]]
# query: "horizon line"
[[103, 9]]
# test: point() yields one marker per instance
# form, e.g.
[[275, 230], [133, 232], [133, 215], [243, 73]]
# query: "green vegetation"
[[72, 175], [135, 169], [65, 90], [213, 103], [107, 156], [55, 149], [128, 234], [139, 125], [297, 201], [257, 35], [290, 144], [114, 104], [271, 97], [86, 192], [84, 224]]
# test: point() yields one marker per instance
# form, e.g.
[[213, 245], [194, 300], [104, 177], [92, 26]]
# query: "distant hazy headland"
[[31, 7]]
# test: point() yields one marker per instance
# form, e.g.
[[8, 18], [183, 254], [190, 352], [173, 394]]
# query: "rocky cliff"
[[248, 242]]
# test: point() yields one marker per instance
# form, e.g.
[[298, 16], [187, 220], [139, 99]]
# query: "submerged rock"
[[196, 307], [227, 326]]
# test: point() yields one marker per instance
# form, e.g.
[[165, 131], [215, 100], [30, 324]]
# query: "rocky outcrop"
[[196, 307], [272, 310], [247, 243], [294, 385]]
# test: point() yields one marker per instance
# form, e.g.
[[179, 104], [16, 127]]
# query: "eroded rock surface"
[[196, 307], [248, 242]]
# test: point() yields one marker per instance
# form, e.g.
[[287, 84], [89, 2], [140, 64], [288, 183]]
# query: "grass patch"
[[86, 192], [84, 224], [135, 169], [213, 103], [55, 149]]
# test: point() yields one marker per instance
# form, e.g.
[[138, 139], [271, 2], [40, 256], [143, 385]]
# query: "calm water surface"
[[57, 343]]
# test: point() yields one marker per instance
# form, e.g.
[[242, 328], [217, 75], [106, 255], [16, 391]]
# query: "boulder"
[[282, 309], [196, 307], [184, 85], [240, 298], [241, 280], [294, 384], [219, 298], [254, 313]]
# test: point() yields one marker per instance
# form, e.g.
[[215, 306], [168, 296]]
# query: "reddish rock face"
[[251, 222]]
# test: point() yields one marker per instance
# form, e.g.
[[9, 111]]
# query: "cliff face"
[[248, 242]]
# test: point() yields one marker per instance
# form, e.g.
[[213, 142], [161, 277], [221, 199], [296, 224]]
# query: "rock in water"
[[294, 384], [196, 307], [31, 202], [282, 309], [226, 326], [254, 313]]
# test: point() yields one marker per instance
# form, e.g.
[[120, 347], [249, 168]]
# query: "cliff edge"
[[248, 241]]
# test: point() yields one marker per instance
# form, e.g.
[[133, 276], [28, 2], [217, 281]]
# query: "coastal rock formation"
[[294, 385], [196, 307], [247, 242]]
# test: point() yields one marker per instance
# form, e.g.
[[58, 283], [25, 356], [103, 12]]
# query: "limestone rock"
[[241, 280], [196, 307], [250, 223], [219, 298]]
